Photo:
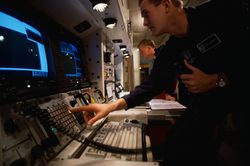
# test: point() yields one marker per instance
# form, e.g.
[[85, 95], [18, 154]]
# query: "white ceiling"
[[69, 13]]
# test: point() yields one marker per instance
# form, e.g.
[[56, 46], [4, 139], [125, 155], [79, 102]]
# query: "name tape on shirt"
[[208, 43]]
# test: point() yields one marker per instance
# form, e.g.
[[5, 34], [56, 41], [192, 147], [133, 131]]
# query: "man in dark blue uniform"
[[203, 51], [148, 51]]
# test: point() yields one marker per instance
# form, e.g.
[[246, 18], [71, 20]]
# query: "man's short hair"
[[147, 42], [177, 3], [155, 2]]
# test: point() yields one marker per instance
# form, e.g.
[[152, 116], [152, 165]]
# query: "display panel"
[[71, 59], [23, 52], [26, 66], [70, 66]]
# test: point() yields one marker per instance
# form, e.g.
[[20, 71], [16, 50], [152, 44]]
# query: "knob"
[[72, 103], [37, 151], [10, 126], [18, 162]]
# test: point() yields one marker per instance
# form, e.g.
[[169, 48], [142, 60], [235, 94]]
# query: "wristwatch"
[[221, 81]]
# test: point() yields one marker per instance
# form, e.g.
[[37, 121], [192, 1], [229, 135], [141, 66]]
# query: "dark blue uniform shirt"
[[210, 45], [214, 44]]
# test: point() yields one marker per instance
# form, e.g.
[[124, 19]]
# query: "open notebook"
[[161, 104]]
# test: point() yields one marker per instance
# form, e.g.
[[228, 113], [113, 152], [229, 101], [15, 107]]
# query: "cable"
[[85, 140], [44, 116]]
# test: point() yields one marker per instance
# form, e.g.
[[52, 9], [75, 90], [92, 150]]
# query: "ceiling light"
[[125, 53], [110, 22], [99, 5]]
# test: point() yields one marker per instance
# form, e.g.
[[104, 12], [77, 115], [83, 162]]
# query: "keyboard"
[[118, 134]]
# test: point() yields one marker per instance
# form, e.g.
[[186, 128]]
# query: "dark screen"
[[71, 60], [23, 52], [26, 63]]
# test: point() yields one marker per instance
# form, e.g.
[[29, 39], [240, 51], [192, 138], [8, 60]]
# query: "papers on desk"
[[161, 104]]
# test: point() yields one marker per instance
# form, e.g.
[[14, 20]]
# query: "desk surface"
[[164, 114], [88, 162]]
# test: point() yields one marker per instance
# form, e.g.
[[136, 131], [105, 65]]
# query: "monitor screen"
[[71, 60], [26, 60], [23, 52]]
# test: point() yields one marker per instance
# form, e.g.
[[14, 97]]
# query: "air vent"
[[117, 40], [83, 26]]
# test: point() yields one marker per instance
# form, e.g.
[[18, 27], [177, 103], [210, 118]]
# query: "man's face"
[[147, 52], [153, 16]]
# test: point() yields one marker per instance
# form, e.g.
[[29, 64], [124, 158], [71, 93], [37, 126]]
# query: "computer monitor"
[[26, 65], [71, 60], [71, 73]]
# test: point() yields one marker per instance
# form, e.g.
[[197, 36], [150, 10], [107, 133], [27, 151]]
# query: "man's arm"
[[199, 82]]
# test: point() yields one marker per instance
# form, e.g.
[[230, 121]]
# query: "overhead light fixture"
[[110, 22], [125, 53], [123, 47], [99, 5]]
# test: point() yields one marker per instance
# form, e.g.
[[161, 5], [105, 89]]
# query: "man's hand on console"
[[93, 112]]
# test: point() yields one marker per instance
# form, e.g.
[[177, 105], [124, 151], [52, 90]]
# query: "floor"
[[234, 149]]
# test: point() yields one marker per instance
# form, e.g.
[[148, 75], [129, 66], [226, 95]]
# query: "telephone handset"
[[84, 98], [88, 98], [99, 96]]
